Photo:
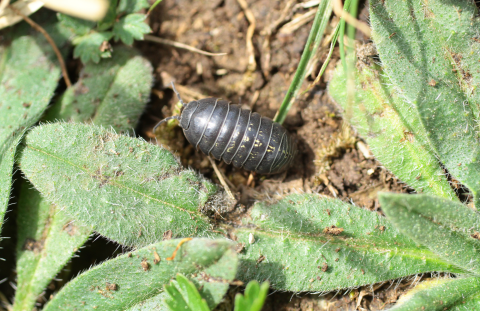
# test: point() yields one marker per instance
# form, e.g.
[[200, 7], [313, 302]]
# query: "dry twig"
[[252, 64], [179, 45], [222, 180]]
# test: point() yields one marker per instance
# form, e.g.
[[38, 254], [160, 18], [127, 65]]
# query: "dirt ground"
[[264, 40]]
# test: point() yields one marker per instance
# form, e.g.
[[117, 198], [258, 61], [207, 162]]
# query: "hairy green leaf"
[[184, 296], [112, 93], [78, 26], [127, 189], [132, 6], [310, 243], [47, 239], [130, 27], [457, 25], [416, 57], [447, 228], [29, 74], [392, 129], [440, 295], [87, 47], [254, 297], [129, 281]]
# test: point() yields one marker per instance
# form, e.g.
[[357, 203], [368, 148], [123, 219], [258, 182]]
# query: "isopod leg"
[[164, 120]]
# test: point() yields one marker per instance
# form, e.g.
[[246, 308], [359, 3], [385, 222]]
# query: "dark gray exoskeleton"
[[236, 135]]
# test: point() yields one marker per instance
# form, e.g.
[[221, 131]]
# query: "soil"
[[332, 159]]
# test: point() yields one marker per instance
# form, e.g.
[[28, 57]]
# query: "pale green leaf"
[[310, 243], [127, 189], [440, 295], [129, 281], [457, 29], [184, 296], [111, 93], [416, 57], [449, 229], [253, 298], [392, 129]]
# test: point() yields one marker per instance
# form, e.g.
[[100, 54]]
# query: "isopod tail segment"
[[235, 135]]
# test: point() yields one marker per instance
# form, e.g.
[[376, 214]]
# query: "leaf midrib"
[[406, 252], [113, 183]]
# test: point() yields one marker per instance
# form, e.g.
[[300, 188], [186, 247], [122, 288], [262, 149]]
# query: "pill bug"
[[235, 135]]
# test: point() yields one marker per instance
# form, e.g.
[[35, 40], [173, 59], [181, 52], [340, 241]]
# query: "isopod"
[[235, 135]]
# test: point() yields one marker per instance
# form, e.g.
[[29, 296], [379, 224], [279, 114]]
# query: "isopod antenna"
[[178, 94]]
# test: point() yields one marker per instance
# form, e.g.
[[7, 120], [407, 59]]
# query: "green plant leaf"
[[416, 57], [47, 239], [132, 6], [78, 26], [87, 47], [447, 228], [128, 281], [184, 296], [29, 74], [392, 129], [127, 189], [309, 243], [254, 297], [458, 30], [111, 93], [441, 294], [130, 27]]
